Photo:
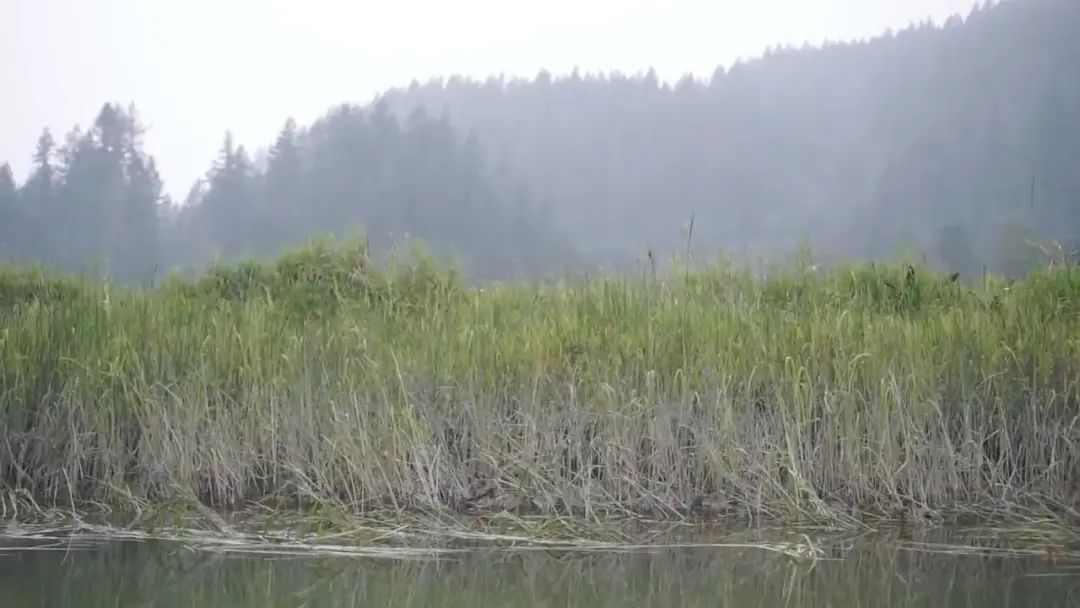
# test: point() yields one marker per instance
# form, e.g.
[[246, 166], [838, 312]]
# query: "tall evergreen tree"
[[229, 209], [140, 247], [38, 201], [11, 218], [106, 208], [285, 191]]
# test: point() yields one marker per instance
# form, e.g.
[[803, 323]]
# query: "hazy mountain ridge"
[[861, 148], [960, 141]]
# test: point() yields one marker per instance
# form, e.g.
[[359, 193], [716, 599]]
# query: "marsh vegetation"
[[324, 380]]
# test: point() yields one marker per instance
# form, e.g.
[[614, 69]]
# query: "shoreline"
[[299, 536], [320, 379]]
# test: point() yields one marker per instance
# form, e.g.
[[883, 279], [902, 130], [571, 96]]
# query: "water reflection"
[[871, 574]]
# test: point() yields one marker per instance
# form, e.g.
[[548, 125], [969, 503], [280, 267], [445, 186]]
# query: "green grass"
[[321, 380]]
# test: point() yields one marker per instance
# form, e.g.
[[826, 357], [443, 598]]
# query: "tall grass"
[[323, 380]]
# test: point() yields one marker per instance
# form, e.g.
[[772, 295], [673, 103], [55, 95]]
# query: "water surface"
[[865, 572]]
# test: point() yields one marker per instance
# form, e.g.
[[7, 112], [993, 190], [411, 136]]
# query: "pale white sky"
[[195, 68]]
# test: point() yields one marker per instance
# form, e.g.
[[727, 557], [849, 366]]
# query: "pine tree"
[[38, 202], [140, 247], [229, 210], [285, 192], [11, 220]]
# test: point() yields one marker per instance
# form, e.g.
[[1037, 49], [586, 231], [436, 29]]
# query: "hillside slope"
[[930, 137]]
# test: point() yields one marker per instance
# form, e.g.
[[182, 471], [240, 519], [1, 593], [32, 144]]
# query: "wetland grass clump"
[[321, 380]]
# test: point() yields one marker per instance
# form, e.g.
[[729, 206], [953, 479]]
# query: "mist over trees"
[[961, 142], [928, 138], [95, 203], [96, 196]]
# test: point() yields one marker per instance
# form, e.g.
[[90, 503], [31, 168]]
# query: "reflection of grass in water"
[[324, 383], [133, 574]]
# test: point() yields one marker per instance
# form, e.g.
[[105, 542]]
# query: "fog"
[[197, 68], [539, 141]]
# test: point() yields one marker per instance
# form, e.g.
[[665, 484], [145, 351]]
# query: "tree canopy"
[[860, 148], [961, 141]]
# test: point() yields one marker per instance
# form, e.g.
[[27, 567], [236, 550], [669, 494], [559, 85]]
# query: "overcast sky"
[[198, 67]]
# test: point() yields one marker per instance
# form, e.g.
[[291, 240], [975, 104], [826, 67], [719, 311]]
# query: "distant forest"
[[95, 204], [960, 142]]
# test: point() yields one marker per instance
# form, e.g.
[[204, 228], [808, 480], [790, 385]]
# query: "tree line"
[[94, 204], [960, 142]]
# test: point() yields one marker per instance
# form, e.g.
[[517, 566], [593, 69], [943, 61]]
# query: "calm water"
[[871, 573]]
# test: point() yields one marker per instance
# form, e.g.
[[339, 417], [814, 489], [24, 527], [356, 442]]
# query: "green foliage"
[[320, 278], [25, 286], [323, 378], [918, 138]]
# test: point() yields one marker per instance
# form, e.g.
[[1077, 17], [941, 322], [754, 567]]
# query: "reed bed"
[[321, 381]]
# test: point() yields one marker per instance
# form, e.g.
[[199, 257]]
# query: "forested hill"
[[960, 140], [94, 204], [362, 168]]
